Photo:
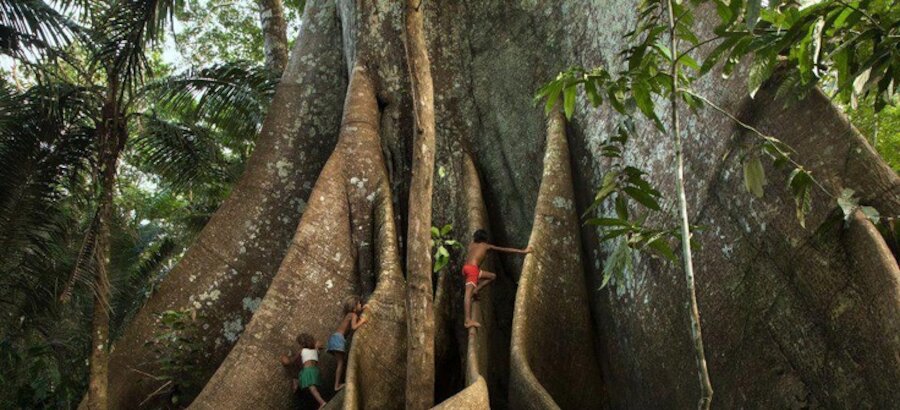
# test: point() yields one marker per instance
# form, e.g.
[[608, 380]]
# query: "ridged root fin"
[[318, 272], [376, 371], [473, 397], [553, 363]]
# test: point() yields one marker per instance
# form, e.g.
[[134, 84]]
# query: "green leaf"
[[608, 222], [618, 263], [617, 99], [609, 185], [664, 51], [760, 70], [689, 61], [440, 262], [621, 207], [435, 233], [871, 213], [800, 183], [752, 15], [642, 197], [593, 95], [569, 100], [552, 94], [446, 229], [721, 50], [641, 93], [662, 247], [754, 176]]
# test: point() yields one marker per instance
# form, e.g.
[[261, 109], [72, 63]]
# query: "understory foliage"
[[190, 133], [442, 242], [176, 354]]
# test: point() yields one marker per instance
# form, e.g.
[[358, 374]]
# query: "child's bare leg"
[[315, 393], [485, 278], [470, 288], [339, 371], [294, 385]]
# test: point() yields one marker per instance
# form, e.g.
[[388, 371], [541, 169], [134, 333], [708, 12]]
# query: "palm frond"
[[46, 151], [46, 139], [84, 269], [131, 286], [131, 27], [32, 23], [182, 155], [232, 98]]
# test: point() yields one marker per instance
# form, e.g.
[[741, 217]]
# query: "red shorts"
[[471, 273]]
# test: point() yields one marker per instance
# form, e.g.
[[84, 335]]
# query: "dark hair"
[[306, 341], [480, 236], [350, 303]]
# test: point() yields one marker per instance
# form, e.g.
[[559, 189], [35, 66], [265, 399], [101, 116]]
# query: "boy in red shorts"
[[475, 277]]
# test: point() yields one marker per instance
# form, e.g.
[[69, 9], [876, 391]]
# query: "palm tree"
[[63, 139]]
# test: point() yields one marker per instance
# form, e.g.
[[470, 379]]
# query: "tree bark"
[[552, 297], [376, 371], [227, 270], [275, 43], [319, 270], [420, 298]]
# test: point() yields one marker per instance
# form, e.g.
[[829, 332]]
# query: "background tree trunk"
[[112, 136], [275, 43]]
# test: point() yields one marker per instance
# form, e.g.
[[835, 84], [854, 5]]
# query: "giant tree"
[[793, 314]]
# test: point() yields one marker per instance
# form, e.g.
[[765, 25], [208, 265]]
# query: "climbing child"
[[308, 357], [337, 343], [476, 279]]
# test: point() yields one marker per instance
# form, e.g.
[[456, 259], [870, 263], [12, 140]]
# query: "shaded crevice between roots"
[[305, 295], [483, 350], [552, 298]]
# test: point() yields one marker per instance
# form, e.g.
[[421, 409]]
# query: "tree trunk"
[[794, 309], [420, 298], [275, 43], [112, 136], [224, 275]]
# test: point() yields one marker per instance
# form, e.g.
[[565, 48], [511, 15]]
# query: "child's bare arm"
[[510, 250], [356, 321], [288, 359]]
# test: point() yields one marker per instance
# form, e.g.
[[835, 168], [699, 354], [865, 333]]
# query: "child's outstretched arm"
[[356, 321], [510, 250], [287, 360]]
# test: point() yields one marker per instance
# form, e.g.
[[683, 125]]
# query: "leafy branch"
[[442, 242]]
